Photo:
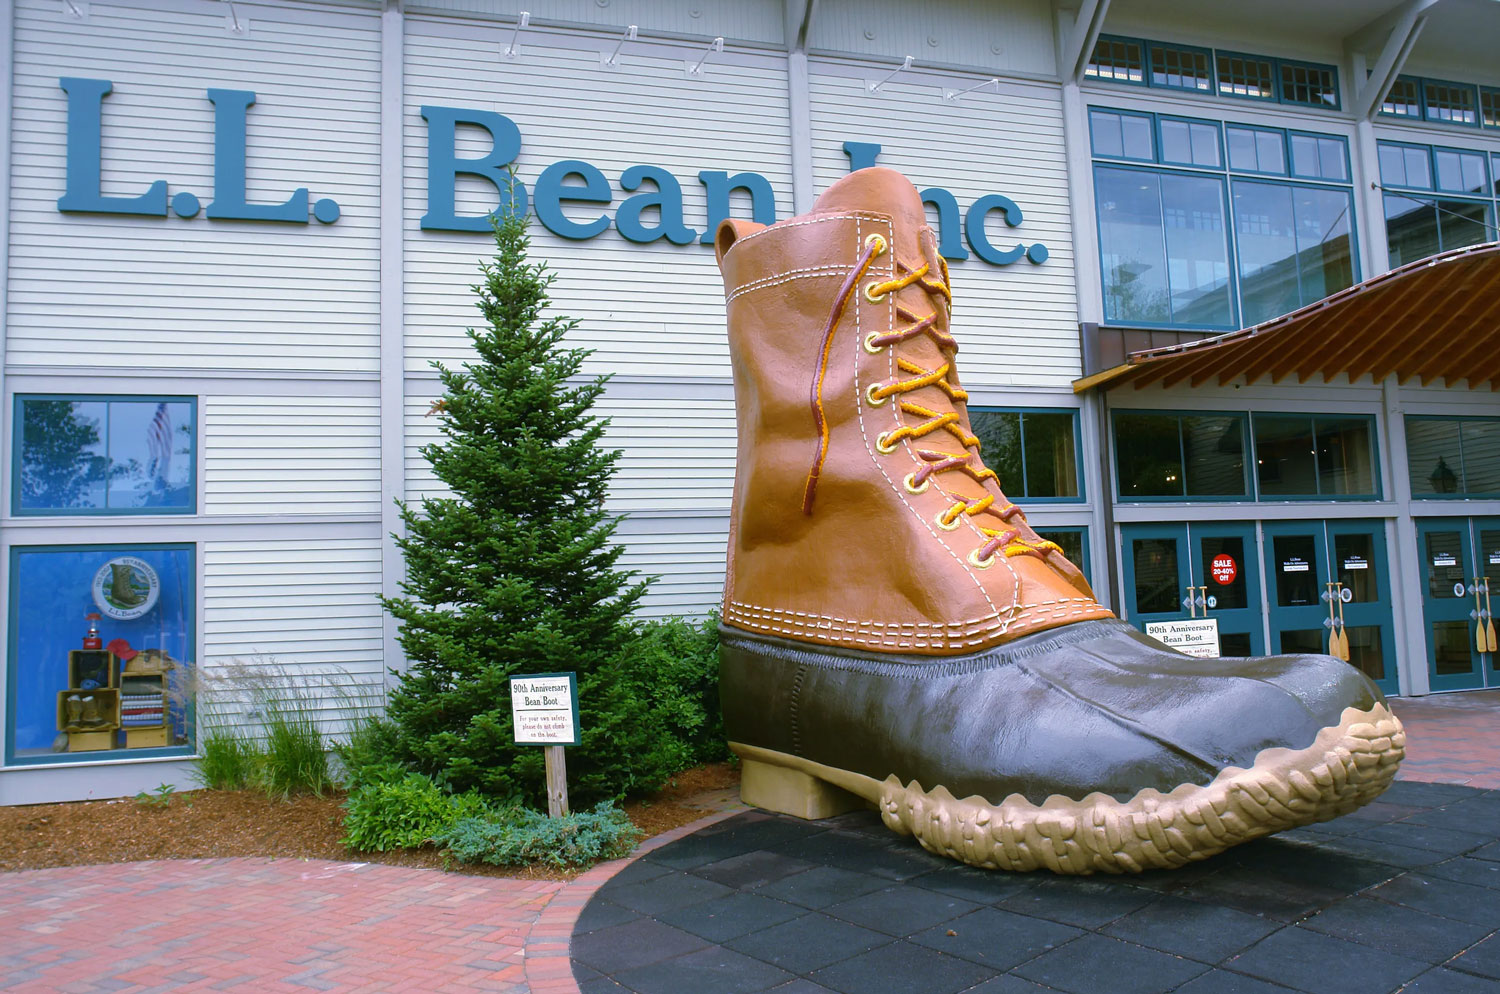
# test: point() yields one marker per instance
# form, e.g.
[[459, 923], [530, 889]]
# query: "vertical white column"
[[1408, 631], [1374, 259], [800, 108], [392, 315]]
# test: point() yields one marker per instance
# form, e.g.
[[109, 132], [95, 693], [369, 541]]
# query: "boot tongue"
[[881, 191]]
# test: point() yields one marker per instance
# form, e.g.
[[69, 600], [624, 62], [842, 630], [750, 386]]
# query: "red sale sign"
[[1223, 569]]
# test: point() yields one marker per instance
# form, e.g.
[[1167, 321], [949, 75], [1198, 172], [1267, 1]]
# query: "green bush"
[[519, 837], [296, 759], [404, 814], [230, 761], [672, 666], [369, 755]]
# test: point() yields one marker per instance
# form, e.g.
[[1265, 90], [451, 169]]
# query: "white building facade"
[[240, 234]]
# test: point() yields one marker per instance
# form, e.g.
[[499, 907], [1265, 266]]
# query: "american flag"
[[159, 445]]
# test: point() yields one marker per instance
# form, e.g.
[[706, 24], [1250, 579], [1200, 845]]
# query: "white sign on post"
[[1194, 636], [544, 709]]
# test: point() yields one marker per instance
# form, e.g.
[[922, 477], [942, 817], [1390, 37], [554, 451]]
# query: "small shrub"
[[673, 666], [521, 837], [404, 814], [370, 756], [161, 797], [296, 759], [230, 761]]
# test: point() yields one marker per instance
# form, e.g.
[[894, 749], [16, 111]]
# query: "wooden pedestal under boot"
[[895, 633]]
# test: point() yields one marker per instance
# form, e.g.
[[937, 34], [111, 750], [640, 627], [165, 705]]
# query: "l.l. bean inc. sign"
[[653, 214]]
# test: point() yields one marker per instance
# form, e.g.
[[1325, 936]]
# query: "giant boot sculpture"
[[895, 633]]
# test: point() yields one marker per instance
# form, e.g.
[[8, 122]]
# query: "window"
[[104, 455], [1453, 457], [1294, 245], [1165, 256], [1489, 107], [102, 651], [1035, 453], [1313, 85], [1116, 59], [1074, 544], [1256, 150], [1179, 455], [1122, 136], [1452, 103], [1181, 68], [1404, 98], [1418, 226], [1300, 456], [1246, 76]]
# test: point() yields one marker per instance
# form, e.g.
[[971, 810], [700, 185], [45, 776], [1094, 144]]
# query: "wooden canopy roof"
[[1436, 317]]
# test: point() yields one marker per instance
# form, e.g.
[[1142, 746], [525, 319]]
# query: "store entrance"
[[1321, 577], [1327, 593], [1460, 567], [1199, 570]]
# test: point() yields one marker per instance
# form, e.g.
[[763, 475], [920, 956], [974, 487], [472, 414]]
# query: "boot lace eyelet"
[[883, 446], [874, 400], [873, 298], [974, 560], [870, 345], [912, 487], [949, 526], [878, 240]]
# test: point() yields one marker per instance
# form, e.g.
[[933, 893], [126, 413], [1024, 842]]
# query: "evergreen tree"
[[515, 572]]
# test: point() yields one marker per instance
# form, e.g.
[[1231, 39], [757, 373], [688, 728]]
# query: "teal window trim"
[[1318, 473], [102, 756], [1281, 136], [1489, 106], [1431, 165], [1242, 417], [1416, 83], [1427, 109], [1477, 153], [1296, 184], [1078, 477], [1142, 115], [1218, 127], [1333, 72], [1291, 166], [17, 438], [1210, 66], [1273, 97], [1121, 40], [1461, 494]]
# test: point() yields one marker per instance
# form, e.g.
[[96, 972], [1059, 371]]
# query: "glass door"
[[1297, 557], [1359, 566], [1174, 572], [1448, 569]]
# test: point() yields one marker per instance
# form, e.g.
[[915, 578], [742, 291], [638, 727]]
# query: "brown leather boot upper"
[[862, 515]]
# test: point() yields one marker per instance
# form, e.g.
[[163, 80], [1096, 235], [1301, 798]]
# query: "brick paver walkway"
[[262, 926]]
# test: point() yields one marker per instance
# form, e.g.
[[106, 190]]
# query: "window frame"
[[1492, 95], [1145, 79], [1218, 127], [1290, 173], [1332, 70], [1312, 420], [18, 425], [1083, 543], [1273, 97], [102, 756], [1147, 116], [1458, 420], [1471, 88], [1078, 477], [1213, 69], [1278, 94], [1243, 417], [1286, 156]]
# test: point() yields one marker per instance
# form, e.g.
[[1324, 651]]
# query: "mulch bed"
[[210, 824]]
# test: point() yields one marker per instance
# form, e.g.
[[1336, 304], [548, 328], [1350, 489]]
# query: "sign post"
[[544, 712]]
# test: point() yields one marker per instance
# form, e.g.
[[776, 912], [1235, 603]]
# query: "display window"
[[101, 651], [104, 455]]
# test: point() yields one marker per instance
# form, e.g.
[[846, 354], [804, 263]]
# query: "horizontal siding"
[[743, 20], [650, 309], [688, 562], [300, 611], [1017, 324], [291, 455], [118, 291], [1015, 36]]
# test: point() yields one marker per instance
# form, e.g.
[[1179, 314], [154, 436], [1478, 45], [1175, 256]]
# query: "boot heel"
[[790, 792]]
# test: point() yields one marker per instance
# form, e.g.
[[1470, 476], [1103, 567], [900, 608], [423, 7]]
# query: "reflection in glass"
[[1214, 450], [1489, 559], [1230, 595], [1132, 252], [1148, 455], [1401, 165], [1416, 229], [1197, 250], [1354, 565], [1446, 564], [1190, 143], [1304, 640], [1294, 246], [1234, 643], [999, 434], [1365, 653], [1433, 456], [1450, 648], [1070, 540], [1121, 135], [1345, 465], [1285, 464], [150, 448], [1156, 576], [1481, 442], [1296, 570], [1051, 466], [1461, 172], [63, 463]]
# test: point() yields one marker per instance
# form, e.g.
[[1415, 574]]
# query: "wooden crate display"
[[144, 702]]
